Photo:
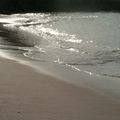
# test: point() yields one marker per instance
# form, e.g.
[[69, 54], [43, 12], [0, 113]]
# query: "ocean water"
[[84, 45]]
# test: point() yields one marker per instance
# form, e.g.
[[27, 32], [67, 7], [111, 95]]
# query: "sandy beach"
[[28, 95]]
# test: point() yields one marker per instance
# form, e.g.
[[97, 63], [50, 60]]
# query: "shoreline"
[[103, 84], [26, 94]]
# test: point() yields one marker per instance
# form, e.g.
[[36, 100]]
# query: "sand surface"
[[28, 95]]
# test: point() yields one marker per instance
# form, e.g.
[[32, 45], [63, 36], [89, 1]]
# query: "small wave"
[[108, 56], [108, 75], [40, 39]]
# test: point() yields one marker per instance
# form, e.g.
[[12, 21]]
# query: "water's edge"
[[49, 57]]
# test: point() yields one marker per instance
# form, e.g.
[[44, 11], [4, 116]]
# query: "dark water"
[[15, 6]]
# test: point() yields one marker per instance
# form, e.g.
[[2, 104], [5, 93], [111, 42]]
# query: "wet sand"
[[28, 95]]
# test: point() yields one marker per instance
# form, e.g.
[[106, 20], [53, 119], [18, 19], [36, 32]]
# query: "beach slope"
[[28, 95]]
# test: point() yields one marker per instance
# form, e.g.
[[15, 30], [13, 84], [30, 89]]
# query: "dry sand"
[[28, 95]]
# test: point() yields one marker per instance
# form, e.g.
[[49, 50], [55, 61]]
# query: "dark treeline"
[[15, 6]]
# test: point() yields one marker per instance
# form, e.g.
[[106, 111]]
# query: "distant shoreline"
[[14, 6]]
